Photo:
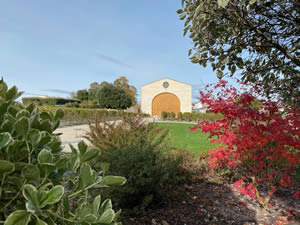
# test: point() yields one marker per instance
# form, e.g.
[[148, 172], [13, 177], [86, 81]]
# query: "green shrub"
[[40, 184], [164, 115], [72, 105], [187, 116], [139, 152], [172, 115], [180, 116]]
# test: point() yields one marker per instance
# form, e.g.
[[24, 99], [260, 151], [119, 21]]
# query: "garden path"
[[73, 134]]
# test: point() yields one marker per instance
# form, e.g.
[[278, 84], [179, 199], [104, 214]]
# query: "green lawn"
[[182, 137]]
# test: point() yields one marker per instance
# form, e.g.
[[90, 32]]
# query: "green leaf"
[[87, 176], [55, 125], [113, 181], [179, 11], [117, 215], [31, 173], [96, 205], [22, 126], [90, 218], [62, 163], [6, 167], [3, 108], [107, 204], [82, 146], [19, 217], [31, 194], [54, 195], [107, 217], [12, 110], [30, 108], [45, 125], [198, 10], [5, 139], [45, 157], [45, 116], [40, 222], [82, 211], [22, 113], [90, 154], [12, 93], [222, 3], [59, 114], [35, 137], [7, 126], [3, 88], [104, 166], [182, 16]]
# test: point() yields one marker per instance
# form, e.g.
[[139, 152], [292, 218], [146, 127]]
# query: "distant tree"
[[82, 94], [259, 39], [112, 97], [94, 89], [122, 82]]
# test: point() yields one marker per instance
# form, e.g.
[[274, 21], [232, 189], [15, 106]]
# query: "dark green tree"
[[82, 94], [258, 39], [94, 89], [112, 97]]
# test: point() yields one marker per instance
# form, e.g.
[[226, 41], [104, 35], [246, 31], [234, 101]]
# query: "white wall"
[[181, 90]]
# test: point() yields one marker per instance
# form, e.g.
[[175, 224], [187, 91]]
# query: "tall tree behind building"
[[122, 82]]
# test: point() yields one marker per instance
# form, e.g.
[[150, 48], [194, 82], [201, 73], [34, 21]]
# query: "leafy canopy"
[[122, 82], [259, 39], [41, 184], [112, 97]]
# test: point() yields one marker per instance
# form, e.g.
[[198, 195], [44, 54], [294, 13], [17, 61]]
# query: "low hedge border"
[[83, 115]]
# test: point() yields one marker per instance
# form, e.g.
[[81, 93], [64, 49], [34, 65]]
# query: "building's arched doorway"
[[165, 102]]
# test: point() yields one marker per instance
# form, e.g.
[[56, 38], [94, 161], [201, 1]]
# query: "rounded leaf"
[[20, 217], [53, 196], [35, 137], [6, 167], [5, 139], [31, 173], [31, 194], [107, 217], [59, 113], [90, 154], [45, 157], [12, 93], [22, 126]]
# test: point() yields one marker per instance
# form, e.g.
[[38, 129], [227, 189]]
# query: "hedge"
[[48, 100], [194, 116], [83, 115]]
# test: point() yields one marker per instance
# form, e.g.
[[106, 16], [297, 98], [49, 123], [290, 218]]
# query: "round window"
[[166, 84]]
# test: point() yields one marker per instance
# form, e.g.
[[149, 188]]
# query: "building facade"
[[166, 95]]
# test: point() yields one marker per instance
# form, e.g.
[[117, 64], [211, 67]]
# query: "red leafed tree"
[[258, 137]]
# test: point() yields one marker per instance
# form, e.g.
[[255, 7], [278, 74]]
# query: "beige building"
[[166, 95]]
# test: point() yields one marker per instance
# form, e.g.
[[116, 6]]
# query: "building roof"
[[168, 79]]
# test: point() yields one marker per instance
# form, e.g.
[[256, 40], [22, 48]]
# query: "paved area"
[[72, 135]]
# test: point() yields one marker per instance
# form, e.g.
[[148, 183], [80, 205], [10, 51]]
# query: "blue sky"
[[54, 47]]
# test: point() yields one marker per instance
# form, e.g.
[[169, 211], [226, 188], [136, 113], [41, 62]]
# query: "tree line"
[[117, 95]]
